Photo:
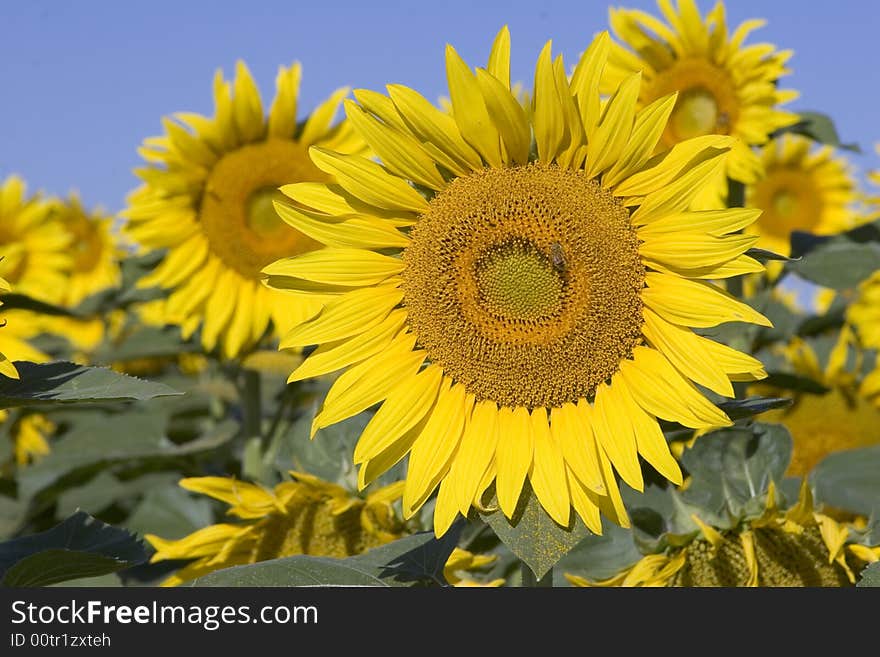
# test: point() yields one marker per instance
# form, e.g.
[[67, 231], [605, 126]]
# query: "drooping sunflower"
[[801, 190], [207, 199], [304, 516], [519, 311], [820, 424], [724, 87], [34, 247], [794, 547]]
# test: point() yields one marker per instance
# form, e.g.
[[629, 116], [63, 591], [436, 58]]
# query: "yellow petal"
[[650, 122], [369, 382], [513, 456], [282, 114], [469, 109], [353, 231], [350, 314], [399, 152], [651, 443], [508, 115], [433, 127], [585, 81], [695, 303], [475, 452], [686, 351], [404, 407], [547, 474], [572, 427], [661, 391], [610, 137], [433, 450], [616, 435], [319, 122], [549, 119], [338, 266], [368, 181], [333, 356], [499, 57]]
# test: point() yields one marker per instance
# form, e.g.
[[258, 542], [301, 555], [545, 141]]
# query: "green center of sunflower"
[[695, 114], [790, 200], [524, 284], [785, 203], [516, 281], [707, 101], [236, 213], [261, 216]]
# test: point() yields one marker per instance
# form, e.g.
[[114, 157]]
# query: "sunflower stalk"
[[252, 463]]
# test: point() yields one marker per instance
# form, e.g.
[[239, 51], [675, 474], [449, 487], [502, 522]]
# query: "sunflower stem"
[[530, 581], [252, 425]]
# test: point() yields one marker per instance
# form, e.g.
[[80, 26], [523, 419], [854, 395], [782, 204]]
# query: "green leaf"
[[850, 479], [819, 127], [731, 468], [64, 383], [532, 535], [23, 302], [839, 263], [764, 255], [751, 406], [412, 560], [101, 438], [170, 512], [144, 342], [81, 546], [13, 513], [104, 490], [788, 381], [870, 576], [599, 557]]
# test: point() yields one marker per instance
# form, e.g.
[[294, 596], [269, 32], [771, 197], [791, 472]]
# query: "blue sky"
[[84, 82]]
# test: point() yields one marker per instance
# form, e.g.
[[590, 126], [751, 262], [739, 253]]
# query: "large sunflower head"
[[802, 189], [34, 247], [304, 516], [518, 292], [207, 196], [794, 547], [724, 87]]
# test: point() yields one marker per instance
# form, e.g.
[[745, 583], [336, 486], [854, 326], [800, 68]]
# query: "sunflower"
[[795, 547], [800, 191], [724, 87], [864, 312], [820, 424], [94, 247], [519, 311], [34, 247], [207, 198], [96, 251], [304, 516]]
